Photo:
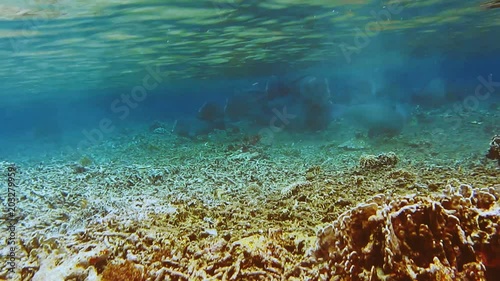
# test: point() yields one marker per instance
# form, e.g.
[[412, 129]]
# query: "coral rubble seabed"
[[379, 220]]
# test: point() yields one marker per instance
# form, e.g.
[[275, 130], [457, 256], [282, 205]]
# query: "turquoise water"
[[250, 140], [409, 64]]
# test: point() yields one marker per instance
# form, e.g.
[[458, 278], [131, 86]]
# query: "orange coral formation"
[[414, 238], [121, 272]]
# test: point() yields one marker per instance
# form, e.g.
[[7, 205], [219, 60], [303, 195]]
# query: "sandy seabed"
[[145, 206]]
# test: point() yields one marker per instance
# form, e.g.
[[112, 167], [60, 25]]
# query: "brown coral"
[[414, 238], [124, 271]]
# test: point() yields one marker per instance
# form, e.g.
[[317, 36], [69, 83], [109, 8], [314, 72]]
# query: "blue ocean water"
[[250, 140], [75, 75]]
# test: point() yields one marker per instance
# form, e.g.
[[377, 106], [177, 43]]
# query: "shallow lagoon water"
[[349, 118]]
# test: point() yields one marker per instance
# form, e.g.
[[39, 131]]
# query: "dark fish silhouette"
[[277, 88], [306, 99], [244, 104], [380, 118], [210, 111]]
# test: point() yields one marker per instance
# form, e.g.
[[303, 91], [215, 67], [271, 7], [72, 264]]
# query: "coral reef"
[[120, 272], [246, 259], [452, 236], [494, 151], [414, 238], [381, 161], [292, 189], [313, 172], [292, 213]]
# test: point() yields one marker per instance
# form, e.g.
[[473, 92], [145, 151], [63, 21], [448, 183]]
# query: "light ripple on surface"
[[210, 35]]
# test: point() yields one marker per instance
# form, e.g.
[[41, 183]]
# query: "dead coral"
[[255, 257], [402, 178], [293, 189], [120, 272], [313, 172], [381, 161], [167, 236], [414, 238]]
